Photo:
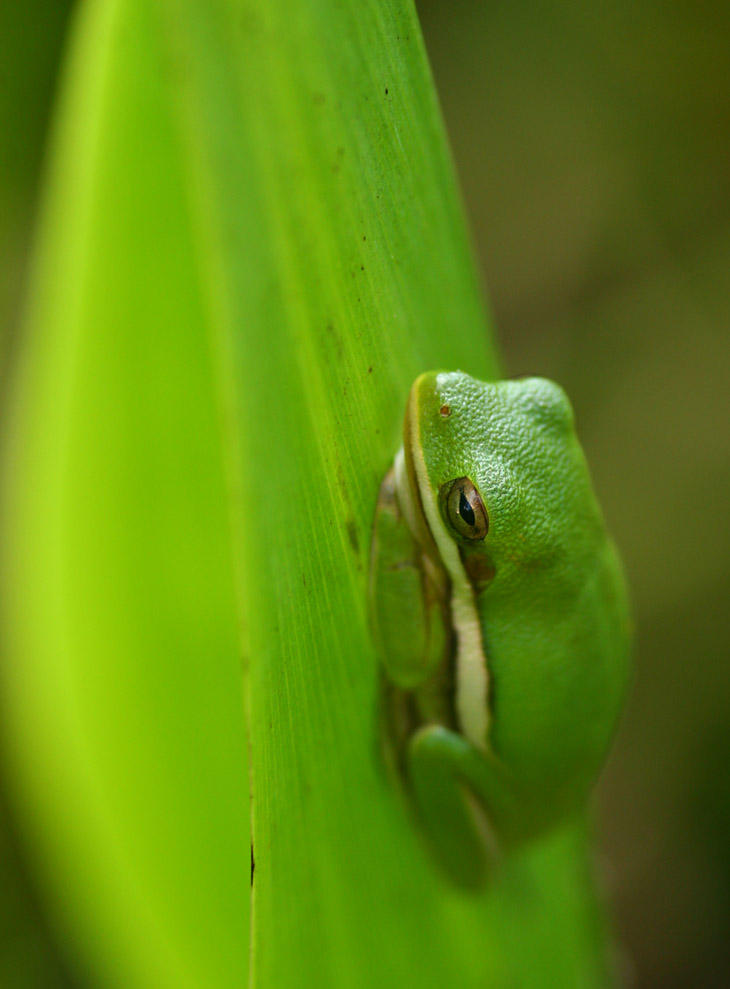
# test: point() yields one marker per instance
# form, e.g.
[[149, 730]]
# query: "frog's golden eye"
[[464, 509]]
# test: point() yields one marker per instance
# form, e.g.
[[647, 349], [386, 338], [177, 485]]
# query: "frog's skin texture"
[[500, 613]]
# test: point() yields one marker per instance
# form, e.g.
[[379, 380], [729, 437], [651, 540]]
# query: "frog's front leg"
[[409, 611], [462, 797]]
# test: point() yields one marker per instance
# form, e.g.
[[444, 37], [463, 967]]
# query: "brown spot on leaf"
[[352, 535]]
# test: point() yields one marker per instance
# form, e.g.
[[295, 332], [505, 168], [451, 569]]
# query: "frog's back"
[[558, 654]]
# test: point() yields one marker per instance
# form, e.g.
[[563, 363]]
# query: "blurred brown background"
[[592, 143]]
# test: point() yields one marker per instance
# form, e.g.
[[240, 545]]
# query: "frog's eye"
[[464, 509]]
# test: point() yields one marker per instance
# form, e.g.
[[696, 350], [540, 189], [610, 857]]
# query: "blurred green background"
[[592, 144]]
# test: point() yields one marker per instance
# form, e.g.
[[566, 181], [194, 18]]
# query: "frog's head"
[[499, 471]]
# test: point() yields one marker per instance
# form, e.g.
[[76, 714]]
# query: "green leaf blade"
[[261, 246]]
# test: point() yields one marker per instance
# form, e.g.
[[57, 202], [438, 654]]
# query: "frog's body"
[[500, 537]]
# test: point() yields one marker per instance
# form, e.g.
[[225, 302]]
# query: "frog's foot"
[[455, 787]]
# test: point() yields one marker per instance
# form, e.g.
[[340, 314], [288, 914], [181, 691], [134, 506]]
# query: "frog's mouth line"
[[471, 671], [409, 488]]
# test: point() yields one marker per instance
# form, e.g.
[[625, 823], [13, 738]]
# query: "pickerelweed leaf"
[[251, 244]]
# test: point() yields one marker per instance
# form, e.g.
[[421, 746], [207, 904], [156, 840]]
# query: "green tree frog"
[[499, 610]]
